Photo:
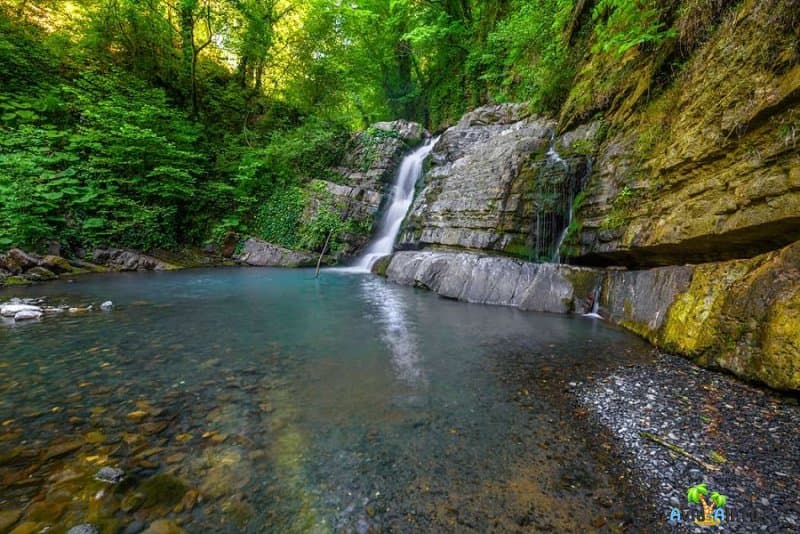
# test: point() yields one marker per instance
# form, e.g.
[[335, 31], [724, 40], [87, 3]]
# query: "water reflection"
[[396, 330]]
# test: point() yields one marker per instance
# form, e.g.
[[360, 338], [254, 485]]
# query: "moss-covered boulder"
[[742, 315]]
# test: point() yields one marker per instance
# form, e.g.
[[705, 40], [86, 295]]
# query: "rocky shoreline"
[[19, 268], [674, 425]]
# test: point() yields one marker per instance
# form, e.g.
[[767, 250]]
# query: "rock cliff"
[[496, 184], [709, 168], [680, 190]]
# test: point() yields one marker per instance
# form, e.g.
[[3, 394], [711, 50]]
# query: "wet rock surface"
[[259, 253], [486, 279], [746, 438], [494, 185]]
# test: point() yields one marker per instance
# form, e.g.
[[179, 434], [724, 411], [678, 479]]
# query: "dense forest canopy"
[[155, 123]]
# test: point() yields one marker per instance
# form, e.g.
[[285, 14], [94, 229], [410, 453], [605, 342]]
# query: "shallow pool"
[[251, 400]]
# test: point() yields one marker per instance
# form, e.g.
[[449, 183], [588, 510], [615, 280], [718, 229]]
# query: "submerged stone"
[[8, 518], [164, 526], [111, 475], [27, 315], [162, 490], [11, 310]]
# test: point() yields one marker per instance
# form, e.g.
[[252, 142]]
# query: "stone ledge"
[[742, 316]]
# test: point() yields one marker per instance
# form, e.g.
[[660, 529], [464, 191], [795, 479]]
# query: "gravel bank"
[[748, 438]]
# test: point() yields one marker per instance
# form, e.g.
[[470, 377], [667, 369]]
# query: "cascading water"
[[595, 302], [401, 197], [555, 196]]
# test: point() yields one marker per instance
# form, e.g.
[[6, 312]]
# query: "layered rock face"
[[693, 196], [483, 279], [710, 169], [494, 185], [367, 171], [740, 315]]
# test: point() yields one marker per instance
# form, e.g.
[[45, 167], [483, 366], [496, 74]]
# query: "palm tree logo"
[[697, 495]]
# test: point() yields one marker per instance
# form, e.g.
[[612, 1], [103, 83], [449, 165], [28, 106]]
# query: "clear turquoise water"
[[292, 404]]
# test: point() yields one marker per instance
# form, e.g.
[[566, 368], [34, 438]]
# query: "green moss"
[[162, 491], [382, 265], [520, 250], [16, 281]]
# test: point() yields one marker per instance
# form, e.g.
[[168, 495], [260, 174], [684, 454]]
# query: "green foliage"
[[526, 57], [620, 212], [327, 219], [280, 217], [622, 25]]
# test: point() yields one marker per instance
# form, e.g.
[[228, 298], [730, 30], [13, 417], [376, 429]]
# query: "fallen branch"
[[678, 450], [324, 249]]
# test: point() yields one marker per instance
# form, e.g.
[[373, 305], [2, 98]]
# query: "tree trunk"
[[188, 49]]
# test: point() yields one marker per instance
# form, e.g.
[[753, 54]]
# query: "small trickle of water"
[[596, 302], [401, 197], [553, 155]]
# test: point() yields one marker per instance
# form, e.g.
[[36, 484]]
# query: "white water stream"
[[402, 195]]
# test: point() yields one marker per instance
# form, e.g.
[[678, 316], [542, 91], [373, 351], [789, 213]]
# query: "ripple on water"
[[251, 400]]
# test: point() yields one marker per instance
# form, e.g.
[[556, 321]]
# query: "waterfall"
[[571, 213], [596, 302], [553, 155], [556, 190], [402, 195]]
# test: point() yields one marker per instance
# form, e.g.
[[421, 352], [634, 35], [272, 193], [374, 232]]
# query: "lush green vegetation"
[[148, 123]]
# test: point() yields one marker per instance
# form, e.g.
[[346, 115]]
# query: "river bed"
[[252, 400]]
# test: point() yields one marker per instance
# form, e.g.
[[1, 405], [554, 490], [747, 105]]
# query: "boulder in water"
[[27, 315], [112, 475], [40, 274], [262, 254], [107, 306], [11, 310]]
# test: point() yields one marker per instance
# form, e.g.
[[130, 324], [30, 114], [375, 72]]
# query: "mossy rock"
[[40, 274], [162, 491], [16, 281], [382, 265]]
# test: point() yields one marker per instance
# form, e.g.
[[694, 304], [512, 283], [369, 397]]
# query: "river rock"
[[130, 260], [56, 264], [10, 310], [487, 279], [40, 274], [83, 529], [107, 306], [27, 315], [111, 475], [259, 253], [17, 261]]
